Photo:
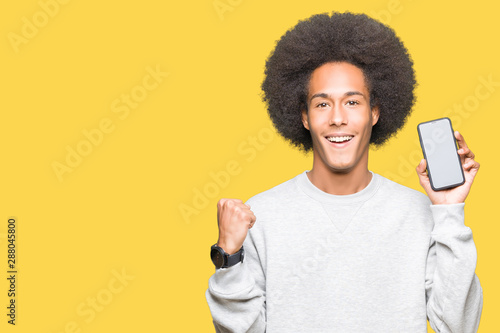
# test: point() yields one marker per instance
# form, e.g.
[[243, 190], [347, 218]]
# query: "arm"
[[236, 295], [453, 292]]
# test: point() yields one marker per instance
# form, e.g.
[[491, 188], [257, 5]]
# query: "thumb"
[[422, 175], [421, 167]]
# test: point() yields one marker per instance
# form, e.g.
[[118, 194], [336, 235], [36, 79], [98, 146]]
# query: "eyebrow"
[[324, 95]]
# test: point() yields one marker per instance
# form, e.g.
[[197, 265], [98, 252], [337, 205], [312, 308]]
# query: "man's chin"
[[340, 168]]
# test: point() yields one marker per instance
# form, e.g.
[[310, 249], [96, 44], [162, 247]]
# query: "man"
[[339, 248]]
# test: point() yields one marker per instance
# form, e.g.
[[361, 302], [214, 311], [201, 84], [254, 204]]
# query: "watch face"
[[217, 258]]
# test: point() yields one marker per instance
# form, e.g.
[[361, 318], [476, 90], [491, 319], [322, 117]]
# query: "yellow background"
[[118, 210]]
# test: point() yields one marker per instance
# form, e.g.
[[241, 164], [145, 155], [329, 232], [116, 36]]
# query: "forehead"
[[337, 78]]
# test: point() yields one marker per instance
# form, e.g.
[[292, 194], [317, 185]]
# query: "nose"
[[338, 116]]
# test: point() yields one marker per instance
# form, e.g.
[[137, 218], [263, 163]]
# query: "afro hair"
[[341, 37]]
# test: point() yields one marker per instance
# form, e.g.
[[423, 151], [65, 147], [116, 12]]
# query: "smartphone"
[[440, 150]]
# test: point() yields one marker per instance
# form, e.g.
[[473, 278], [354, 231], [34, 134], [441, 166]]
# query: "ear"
[[304, 119], [375, 115]]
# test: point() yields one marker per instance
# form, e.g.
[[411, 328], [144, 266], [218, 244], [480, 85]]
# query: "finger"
[[459, 137], [465, 153], [421, 167], [472, 164], [462, 145], [237, 201], [245, 207], [252, 222], [460, 140], [422, 175], [221, 202], [246, 214], [251, 218], [233, 203], [225, 203]]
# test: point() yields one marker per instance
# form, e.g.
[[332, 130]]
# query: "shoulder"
[[275, 193], [403, 195], [273, 199], [408, 208]]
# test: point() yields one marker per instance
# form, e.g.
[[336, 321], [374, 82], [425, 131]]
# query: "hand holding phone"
[[440, 151], [450, 173]]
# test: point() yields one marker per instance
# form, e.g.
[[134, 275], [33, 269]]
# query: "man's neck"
[[338, 183]]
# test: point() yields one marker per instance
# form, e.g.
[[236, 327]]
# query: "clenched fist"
[[234, 219]]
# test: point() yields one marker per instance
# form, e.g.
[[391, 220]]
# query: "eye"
[[352, 102], [322, 105]]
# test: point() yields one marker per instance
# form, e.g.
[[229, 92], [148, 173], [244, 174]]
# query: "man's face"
[[339, 117]]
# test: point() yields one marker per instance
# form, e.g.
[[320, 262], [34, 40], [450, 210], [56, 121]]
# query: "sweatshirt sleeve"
[[236, 295], [453, 292]]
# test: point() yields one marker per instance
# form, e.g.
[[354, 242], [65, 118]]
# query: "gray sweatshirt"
[[380, 260]]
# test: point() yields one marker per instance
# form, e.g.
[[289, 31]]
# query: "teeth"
[[339, 138]]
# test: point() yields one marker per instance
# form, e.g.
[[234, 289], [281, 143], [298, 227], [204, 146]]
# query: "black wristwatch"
[[223, 260]]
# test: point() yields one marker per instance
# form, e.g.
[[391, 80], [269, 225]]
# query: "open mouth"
[[339, 139]]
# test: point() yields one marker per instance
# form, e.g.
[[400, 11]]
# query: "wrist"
[[445, 201], [228, 247], [222, 259]]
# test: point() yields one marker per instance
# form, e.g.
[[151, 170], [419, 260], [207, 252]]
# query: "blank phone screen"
[[440, 150]]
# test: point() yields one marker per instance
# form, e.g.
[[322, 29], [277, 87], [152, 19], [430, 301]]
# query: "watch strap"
[[233, 259]]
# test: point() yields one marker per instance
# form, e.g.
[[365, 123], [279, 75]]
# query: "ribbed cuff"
[[448, 218]]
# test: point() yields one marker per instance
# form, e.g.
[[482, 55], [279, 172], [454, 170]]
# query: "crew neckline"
[[315, 193]]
